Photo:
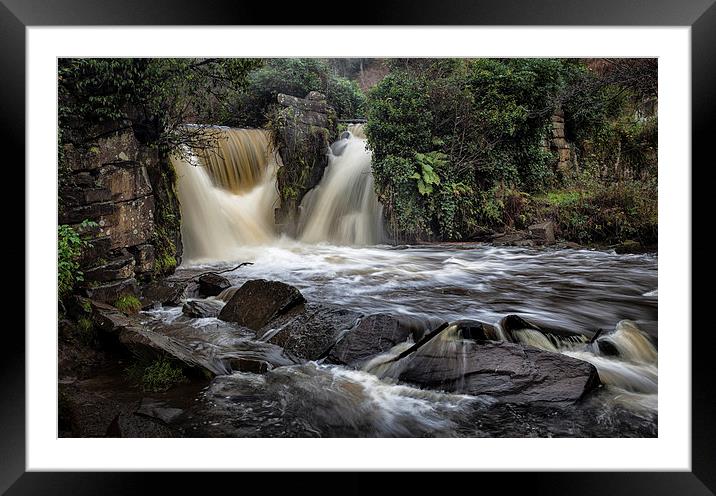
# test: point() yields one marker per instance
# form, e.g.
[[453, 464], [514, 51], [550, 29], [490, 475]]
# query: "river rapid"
[[573, 290]]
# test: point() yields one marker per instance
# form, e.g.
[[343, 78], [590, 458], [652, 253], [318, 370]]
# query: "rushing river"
[[575, 290], [227, 218]]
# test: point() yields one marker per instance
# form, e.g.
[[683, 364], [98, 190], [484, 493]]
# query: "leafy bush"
[[70, 246], [604, 213], [128, 304], [158, 375]]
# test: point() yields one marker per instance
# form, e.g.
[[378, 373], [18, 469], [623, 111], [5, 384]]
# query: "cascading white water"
[[225, 208], [228, 195], [343, 209]]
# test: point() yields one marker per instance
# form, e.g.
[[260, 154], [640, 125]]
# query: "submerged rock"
[[212, 284], [310, 330], [374, 334], [202, 308], [259, 301]]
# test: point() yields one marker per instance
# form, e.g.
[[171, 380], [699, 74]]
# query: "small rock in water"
[[212, 284], [202, 308]]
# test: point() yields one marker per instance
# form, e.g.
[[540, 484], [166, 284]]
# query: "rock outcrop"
[[305, 128], [508, 372], [109, 180]]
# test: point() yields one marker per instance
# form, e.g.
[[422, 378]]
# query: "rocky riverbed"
[[325, 345]]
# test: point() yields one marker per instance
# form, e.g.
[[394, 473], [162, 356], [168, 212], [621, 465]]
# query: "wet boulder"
[[212, 284], [310, 330], [199, 309], [374, 334], [508, 372], [512, 324], [164, 292], [476, 330], [259, 301]]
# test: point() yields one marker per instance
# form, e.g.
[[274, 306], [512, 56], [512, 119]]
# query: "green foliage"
[[85, 330], [459, 144], [426, 177], [128, 304], [458, 128], [70, 246], [599, 213], [158, 375], [156, 96], [296, 77]]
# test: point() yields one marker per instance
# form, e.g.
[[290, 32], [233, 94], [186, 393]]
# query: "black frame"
[[15, 15]]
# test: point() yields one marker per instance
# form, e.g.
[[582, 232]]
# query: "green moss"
[[128, 304], [158, 375]]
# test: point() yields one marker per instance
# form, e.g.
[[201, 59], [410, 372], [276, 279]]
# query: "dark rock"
[[309, 331], [158, 409], [543, 233], [98, 247], [477, 331], [131, 222], [112, 291], [309, 105], [113, 148], [508, 372], [202, 308], [143, 258], [511, 323], [374, 334], [94, 211], [628, 246], [92, 414], [259, 301], [212, 284], [163, 292], [572, 245], [228, 293], [125, 182], [119, 267], [510, 238]]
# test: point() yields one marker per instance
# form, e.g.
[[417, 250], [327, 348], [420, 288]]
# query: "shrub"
[[128, 304], [158, 375], [85, 330], [70, 246]]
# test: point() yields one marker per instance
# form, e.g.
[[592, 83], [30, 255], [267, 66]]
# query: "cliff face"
[[304, 128], [127, 189]]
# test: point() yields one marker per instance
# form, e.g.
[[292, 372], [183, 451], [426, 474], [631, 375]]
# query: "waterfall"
[[343, 209], [228, 195]]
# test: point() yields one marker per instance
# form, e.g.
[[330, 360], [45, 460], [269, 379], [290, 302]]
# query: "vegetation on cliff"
[[459, 146]]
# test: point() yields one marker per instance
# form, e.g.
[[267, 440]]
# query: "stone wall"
[[557, 143], [109, 181], [304, 129]]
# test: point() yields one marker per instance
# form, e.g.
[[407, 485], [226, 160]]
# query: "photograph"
[[420, 247]]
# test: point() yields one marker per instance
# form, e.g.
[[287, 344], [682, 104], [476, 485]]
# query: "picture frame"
[[17, 15]]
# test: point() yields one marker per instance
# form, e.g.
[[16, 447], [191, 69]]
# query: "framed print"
[[435, 237]]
